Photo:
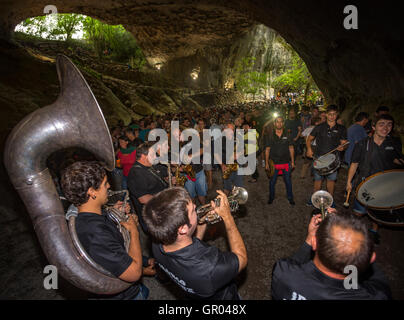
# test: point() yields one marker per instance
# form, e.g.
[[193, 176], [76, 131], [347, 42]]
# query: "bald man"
[[343, 266]]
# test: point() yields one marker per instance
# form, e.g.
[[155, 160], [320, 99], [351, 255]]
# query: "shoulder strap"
[[153, 172]]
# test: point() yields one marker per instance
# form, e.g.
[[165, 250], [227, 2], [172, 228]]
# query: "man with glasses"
[[329, 135]]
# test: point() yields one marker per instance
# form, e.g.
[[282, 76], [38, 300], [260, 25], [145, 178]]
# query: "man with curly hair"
[[85, 184]]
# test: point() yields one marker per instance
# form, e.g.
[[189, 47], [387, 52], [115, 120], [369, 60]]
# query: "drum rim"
[[372, 176], [391, 224]]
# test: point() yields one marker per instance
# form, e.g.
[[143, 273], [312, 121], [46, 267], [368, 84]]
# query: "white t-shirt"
[[306, 132]]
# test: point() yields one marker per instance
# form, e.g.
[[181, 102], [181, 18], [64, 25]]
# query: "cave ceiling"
[[350, 66]]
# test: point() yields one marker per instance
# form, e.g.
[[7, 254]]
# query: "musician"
[[279, 148], [329, 135], [201, 270], [339, 241], [200, 127], [85, 185], [294, 128], [234, 179], [145, 178], [196, 186], [356, 132], [374, 154], [251, 138]]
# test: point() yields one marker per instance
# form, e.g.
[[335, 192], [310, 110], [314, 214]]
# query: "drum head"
[[383, 190], [324, 161]]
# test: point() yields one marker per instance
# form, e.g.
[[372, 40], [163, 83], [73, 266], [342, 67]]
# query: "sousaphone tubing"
[[73, 120]]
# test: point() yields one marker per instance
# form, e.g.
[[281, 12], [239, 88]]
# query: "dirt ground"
[[270, 232]]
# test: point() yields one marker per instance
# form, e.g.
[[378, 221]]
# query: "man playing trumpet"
[[201, 270]]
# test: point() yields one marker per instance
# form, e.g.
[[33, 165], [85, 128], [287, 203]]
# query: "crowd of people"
[[165, 198]]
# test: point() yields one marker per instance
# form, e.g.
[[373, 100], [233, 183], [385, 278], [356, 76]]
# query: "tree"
[[296, 77], [249, 81], [67, 25], [114, 41]]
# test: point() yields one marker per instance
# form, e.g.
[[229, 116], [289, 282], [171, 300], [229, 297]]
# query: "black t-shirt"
[[142, 181], [292, 127], [103, 242], [297, 278], [279, 151], [379, 158], [328, 138], [203, 271]]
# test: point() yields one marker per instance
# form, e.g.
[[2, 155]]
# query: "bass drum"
[[382, 191], [393, 218]]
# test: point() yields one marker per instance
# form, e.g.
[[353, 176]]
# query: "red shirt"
[[127, 161]]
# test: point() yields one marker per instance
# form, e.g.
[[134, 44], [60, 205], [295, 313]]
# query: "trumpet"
[[322, 200], [119, 215], [206, 214]]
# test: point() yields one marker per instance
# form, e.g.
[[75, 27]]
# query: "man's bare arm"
[[236, 242], [134, 271], [145, 199]]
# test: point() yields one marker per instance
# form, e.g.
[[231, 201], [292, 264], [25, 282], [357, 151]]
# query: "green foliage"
[[113, 42], [53, 27], [296, 77], [67, 25], [249, 81], [35, 27]]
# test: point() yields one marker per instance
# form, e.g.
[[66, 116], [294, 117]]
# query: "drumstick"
[[346, 203], [343, 145]]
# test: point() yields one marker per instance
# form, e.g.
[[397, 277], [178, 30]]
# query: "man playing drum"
[[329, 135], [374, 154]]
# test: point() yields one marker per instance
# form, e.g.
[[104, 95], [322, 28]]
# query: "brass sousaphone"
[[73, 120]]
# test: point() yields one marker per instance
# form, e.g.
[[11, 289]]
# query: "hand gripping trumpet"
[[206, 214], [322, 200]]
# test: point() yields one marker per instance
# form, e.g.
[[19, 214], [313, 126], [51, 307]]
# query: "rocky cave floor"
[[270, 232]]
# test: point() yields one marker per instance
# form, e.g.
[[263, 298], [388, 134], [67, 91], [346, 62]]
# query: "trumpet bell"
[[321, 199], [240, 194]]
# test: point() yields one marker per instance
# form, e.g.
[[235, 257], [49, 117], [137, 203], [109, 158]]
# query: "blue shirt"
[[355, 133], [143, 134]]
